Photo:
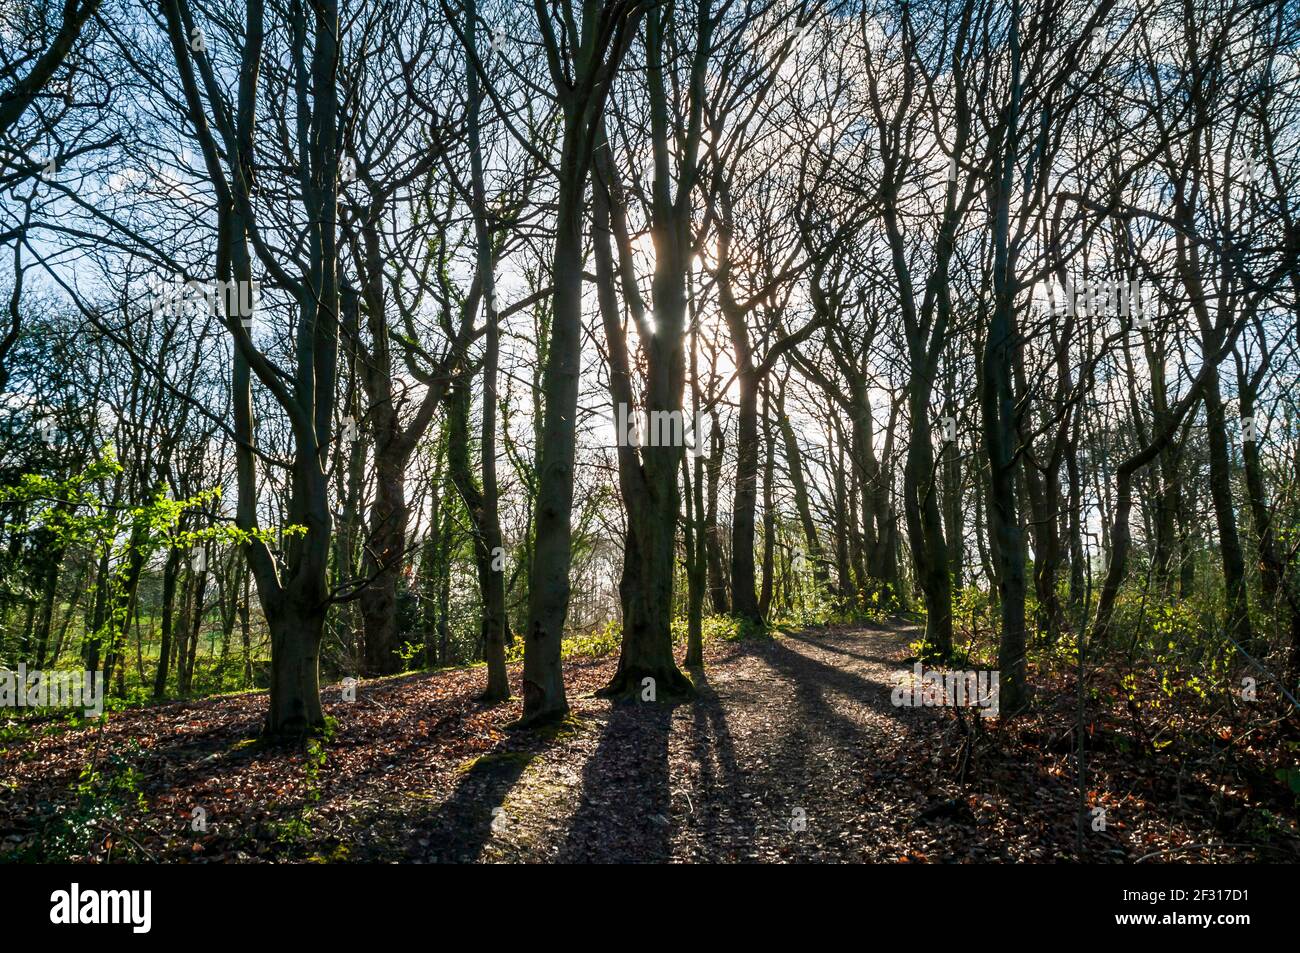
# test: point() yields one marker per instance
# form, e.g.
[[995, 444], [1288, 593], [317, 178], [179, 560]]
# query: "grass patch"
[[497, 759]]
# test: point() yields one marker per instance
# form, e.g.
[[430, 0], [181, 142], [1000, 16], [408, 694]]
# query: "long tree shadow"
[[727, 817], [625, 810], [812, 677], [824, 733], [827, 645], [463, 824], [195, 766]]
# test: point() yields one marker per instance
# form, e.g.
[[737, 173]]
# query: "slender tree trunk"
[[744, 501], [49, 594], [1281, 590], [171, 572], [488, 553], [696, 564], [1234, 560], [697, 567], [769, 509], [90, 648], [486, 516], [997, 403], [843, 572], [1169, 503], [718, 595], [924, 525], [196, 627], [245, 627], [816, 558], [1078, 567], [548, 578]]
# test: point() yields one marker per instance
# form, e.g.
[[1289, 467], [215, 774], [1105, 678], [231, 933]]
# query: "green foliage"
[[136, 695], [973, 611], [594, 644], [103, 795], [1177, 638], [609, 637], [1291, 778], [73, 516], [817, 607], [12, 732], [409, 652], [723, 627], [297, 827]]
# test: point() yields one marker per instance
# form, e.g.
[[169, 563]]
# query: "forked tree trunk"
[[581, 79], [646, 667], [648, 474]]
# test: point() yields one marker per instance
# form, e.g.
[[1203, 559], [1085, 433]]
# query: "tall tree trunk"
[[769, 508], [744, 500], [998, 407], [581, 79], [548, 578], [483, 505], [488, 553], [648, 473], [718, 595]]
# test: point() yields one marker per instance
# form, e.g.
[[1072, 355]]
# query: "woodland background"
[[990, 313]]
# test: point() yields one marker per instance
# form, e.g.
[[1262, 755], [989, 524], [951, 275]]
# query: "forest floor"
[[791, 751]]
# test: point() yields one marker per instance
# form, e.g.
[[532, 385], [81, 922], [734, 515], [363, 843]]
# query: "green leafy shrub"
[[103, 796]]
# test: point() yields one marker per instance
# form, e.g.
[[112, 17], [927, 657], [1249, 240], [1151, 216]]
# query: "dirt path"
[[791, 752]]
